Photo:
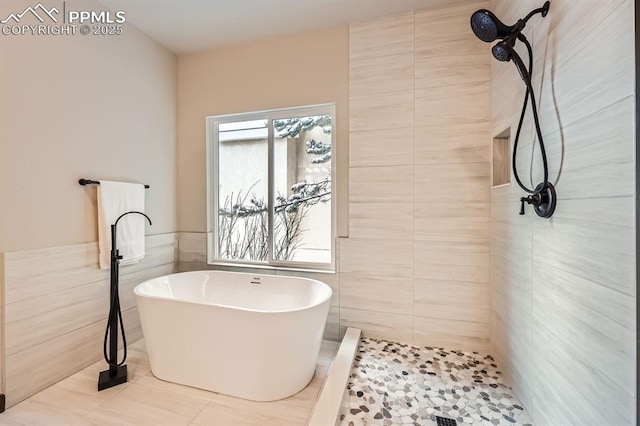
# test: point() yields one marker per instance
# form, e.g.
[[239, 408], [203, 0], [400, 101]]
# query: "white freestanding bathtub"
[[251, 336]]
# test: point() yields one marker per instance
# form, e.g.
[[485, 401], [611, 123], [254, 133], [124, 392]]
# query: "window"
[[269, 188]]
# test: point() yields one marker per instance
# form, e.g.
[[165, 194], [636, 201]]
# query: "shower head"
[[503, 51], [487, 27]]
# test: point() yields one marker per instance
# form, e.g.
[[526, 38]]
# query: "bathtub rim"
[[259, 311]]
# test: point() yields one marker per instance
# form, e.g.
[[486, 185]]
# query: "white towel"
[[114, 199]]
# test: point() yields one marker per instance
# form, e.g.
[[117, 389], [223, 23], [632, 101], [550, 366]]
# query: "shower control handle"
[[534, 199], [543, 200]]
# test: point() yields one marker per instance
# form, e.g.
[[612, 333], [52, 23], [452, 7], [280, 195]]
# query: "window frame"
[[212, 169]]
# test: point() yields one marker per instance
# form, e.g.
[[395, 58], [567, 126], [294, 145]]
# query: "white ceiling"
[[191, 25]]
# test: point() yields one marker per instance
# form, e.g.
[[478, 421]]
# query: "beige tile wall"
[[563, 297], [416, 264], [57, 302]]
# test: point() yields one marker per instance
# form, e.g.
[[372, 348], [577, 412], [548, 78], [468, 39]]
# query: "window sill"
[[247, 267]]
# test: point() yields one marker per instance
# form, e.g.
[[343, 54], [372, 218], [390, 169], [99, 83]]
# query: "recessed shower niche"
[[500, 160]]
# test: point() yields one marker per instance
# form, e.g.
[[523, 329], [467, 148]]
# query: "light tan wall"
[[563, 299], [303, 69], [416, 264], [76, 107], [100, 107]]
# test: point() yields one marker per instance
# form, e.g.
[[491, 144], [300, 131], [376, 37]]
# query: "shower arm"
[[542, 10], [517, 28]]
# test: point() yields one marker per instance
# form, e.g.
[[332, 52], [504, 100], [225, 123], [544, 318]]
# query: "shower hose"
[[114, 309], [543, 153]]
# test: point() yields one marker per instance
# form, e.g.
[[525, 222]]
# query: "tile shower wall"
[[563, 289], [56, 304], [415, 267]]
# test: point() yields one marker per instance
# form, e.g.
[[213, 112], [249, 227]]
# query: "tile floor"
[[145, 400], [399, 384]]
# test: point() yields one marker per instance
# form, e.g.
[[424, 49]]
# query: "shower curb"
[[327, 407]]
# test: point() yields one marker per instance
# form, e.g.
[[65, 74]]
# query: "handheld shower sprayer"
[[488, 28]]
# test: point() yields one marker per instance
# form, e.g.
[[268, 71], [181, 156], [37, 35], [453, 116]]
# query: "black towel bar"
[[94, 182]]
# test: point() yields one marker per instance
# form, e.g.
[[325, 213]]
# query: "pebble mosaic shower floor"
[[399, 384]]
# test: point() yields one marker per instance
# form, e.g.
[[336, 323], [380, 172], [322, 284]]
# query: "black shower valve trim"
[[543, 200]]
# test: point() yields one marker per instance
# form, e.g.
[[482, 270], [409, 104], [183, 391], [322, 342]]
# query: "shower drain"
[[443, 421]]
